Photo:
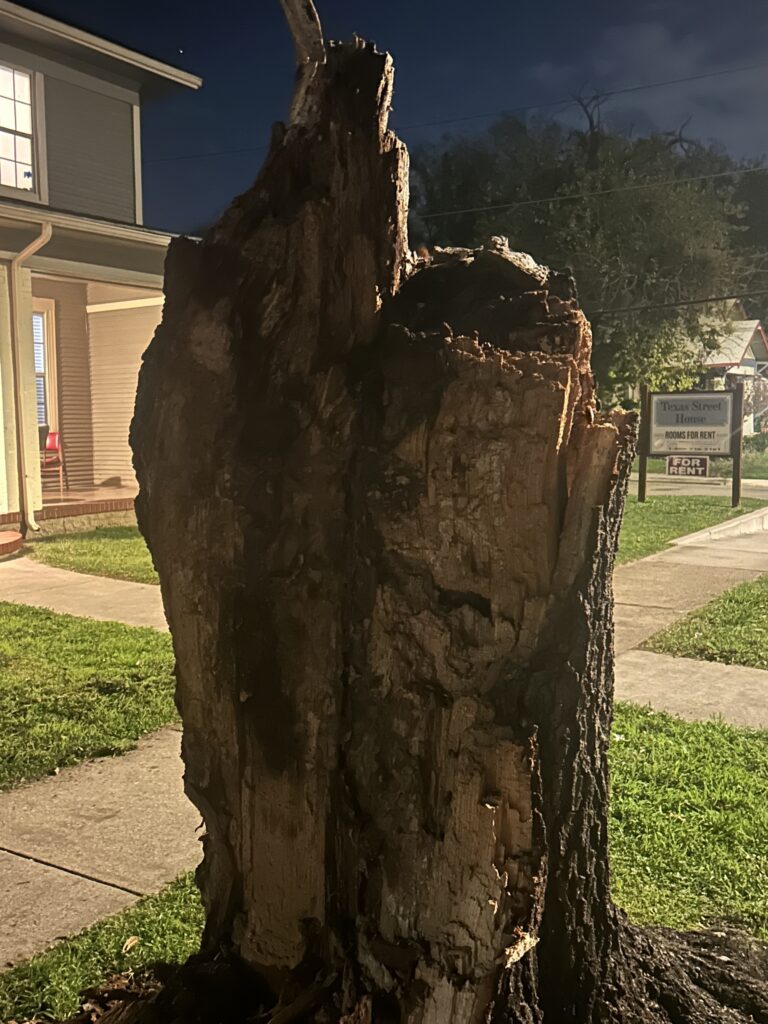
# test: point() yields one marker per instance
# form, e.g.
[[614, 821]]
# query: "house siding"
[[118, 339], [74, 375], [98, 291], [89, 139]]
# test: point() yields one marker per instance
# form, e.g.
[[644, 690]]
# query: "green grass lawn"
[[732, 629], [689, 816], [754, 465], [72, 689], [650, 526], [116, 551], [167, 926]]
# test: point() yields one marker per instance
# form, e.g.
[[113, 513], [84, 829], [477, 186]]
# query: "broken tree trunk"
[[384, 514]]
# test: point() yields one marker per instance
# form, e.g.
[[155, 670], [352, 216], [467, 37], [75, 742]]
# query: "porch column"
[[9, 491]]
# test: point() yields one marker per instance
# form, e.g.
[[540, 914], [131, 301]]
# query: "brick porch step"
[[10, 542]]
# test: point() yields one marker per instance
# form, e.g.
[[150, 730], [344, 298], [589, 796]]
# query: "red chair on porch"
[[52, 459]]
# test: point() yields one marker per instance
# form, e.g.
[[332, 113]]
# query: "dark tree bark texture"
[[384, 513]]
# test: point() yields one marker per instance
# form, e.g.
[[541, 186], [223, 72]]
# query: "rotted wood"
[[384, 511], [304, 23], [368, 504]]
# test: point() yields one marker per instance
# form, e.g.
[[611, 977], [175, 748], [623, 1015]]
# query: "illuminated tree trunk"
[[384, 514]]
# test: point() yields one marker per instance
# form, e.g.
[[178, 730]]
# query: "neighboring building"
[[741, 356], [80, 276]]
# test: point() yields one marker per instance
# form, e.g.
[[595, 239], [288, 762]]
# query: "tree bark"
[[384, 513]]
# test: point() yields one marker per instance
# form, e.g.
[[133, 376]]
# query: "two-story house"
[[80, 276]]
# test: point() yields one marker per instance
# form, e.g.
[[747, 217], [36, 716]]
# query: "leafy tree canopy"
[[659, 240]]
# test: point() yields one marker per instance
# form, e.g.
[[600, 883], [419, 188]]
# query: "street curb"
[[739, 526], [723, 482]]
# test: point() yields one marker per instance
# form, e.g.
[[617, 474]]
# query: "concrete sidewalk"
[[97, 597], [695, 690], [657, 591], [79, 846]]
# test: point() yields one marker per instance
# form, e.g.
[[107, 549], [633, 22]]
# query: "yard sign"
[[696, 423], [691, 423], [688, 465]]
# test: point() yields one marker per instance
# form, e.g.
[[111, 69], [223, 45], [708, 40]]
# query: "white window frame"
[[38, 194], [47, 309]]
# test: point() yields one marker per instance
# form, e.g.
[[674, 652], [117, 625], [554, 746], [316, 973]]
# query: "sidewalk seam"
[[71, 871]]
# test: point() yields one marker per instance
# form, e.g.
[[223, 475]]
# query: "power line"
[[681, 302], [570, 101], [598, 192], [202, 156], [565, 101]]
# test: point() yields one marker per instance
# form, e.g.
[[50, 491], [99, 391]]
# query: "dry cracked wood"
[[384, 512]]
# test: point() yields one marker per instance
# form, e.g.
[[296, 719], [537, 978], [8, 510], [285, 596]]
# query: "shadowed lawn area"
[[688, 822], [73, 689], [649, 527], [732, 629], [168, 928], [116, 551]]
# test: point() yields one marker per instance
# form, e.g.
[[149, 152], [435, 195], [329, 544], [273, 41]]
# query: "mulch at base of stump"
[[202, 991], [117, 991]]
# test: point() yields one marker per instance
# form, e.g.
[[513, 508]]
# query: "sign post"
[[687, 427], [738, 432], [643, 441]]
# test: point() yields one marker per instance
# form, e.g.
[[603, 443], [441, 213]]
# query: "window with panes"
[[41, 368], [17, 164]]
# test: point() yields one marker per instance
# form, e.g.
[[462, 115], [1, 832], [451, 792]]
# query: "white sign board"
[[687, 465], [696, 423]]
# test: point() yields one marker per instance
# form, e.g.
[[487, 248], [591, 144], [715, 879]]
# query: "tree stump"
[[384, 512]]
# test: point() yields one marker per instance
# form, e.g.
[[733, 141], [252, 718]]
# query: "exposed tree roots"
[[667, 978], [699, 977]]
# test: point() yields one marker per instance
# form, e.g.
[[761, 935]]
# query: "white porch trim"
[[58, 29], [50, 267], [106, 307], [87, 225]]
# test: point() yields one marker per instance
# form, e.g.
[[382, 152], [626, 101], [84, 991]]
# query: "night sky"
[[453, 58]]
